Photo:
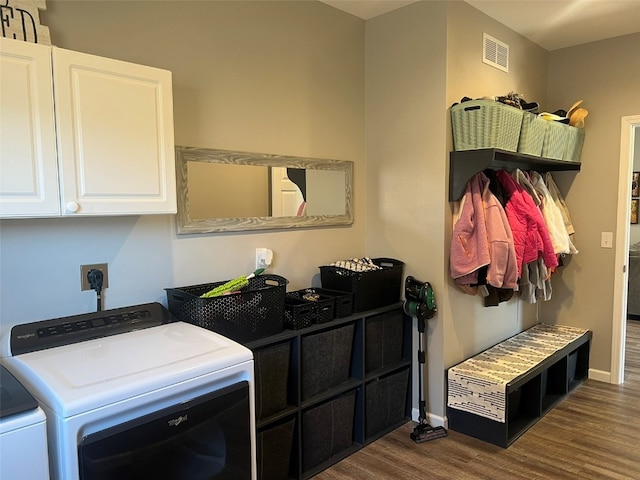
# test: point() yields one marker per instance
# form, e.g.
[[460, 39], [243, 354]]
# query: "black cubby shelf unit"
[[530, 396], [465, 164], [325, 391]]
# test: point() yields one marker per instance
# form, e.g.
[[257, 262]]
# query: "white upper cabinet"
[[114, 132], [28, 164], [115, 136]]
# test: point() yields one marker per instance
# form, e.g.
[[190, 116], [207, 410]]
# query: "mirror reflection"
[[221, 190]]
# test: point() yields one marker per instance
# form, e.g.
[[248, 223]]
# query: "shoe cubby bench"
[[500, 393]]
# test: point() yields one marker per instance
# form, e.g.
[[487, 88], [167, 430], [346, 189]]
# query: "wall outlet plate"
[[84, 270]]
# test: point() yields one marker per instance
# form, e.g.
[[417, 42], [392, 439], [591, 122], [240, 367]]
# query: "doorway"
[[629, 128]]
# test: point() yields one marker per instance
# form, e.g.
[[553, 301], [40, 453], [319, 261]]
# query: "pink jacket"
[[530, 233], [482, 237]]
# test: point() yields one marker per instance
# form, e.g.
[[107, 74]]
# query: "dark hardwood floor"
[[593, 434]]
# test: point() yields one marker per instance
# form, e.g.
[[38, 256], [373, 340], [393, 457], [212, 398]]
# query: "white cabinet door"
[[115, 136], [28, 169]]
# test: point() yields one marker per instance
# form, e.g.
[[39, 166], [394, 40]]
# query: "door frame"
[[628, 126]]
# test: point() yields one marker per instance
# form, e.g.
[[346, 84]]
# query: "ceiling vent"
[[495, 53]]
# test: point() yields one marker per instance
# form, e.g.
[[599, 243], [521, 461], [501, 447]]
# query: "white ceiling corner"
[[552, 24], [367, 9]]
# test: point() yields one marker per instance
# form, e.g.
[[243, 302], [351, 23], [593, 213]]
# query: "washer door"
[[206, 438]]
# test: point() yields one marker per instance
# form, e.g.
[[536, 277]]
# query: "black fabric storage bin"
[[327, 430], [253, 313], [384, 335], [326, 359], [271, 365], [386, 400], [370, 290], [274, 451]]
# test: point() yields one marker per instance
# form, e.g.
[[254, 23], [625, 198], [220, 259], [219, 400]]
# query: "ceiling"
[[552, 24]]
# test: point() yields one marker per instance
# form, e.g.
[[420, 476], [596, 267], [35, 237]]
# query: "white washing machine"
[[23, 432], [130, 393]]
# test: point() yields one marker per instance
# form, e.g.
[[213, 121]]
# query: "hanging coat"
[[530, 234], [482, 237], [552, 217], [559, 200]]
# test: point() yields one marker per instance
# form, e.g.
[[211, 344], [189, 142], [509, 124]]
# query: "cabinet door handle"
[[73, 207]]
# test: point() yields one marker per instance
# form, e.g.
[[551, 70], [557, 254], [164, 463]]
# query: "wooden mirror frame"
[[186, 225]]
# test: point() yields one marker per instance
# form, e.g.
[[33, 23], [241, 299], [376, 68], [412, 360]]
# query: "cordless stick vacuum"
[[420, 302]]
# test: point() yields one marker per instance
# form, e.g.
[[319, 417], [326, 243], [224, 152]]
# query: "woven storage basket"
[[343, 301], [485, 124], [298, 313], [555, 139], [321, 308], [255, 312], [575, 140], [373, 289], [532, 134]]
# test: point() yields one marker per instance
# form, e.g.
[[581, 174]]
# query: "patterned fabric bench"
[[516, 381]]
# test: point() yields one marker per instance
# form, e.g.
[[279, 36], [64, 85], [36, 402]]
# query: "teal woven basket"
[[485, 124], [573, 148], [532, 134], [555, 140]]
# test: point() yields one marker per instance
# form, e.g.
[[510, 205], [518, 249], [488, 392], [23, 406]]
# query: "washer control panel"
[[31, 337]]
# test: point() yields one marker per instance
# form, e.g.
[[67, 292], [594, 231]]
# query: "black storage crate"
[[273, 448], [342, 301], [371, 290], [298, 313], [271, 366], [253, 313], [327, 430], [321, 307], [326, 360], [386, 402]]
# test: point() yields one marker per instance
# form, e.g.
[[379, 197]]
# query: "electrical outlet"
[[84, 270], [264, 257], [261, 254]]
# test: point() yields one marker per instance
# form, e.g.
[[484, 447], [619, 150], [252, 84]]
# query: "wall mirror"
[[223, 191]]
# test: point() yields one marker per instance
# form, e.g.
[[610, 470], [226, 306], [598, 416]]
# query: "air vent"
[[495, 53]]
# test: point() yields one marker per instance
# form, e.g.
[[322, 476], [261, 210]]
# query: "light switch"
[[606, 240]]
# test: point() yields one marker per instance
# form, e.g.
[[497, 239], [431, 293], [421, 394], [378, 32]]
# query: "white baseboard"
[[600, 375], [433, 420]]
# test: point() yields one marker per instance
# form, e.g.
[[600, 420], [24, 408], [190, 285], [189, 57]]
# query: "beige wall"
[[606, 75], [289, 77], [271, 77], [406, 168], [420, 60], [408, 212], [471, 327]]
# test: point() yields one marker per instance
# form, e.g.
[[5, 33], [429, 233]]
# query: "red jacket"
[[530, 233]]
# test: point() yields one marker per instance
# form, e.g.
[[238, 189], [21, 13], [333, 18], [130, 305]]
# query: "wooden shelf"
[[464, 165]]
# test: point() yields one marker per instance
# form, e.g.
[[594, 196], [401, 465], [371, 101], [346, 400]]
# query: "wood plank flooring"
[[593, 434]]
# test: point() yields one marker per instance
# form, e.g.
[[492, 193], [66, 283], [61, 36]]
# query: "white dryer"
[[23, 432]]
